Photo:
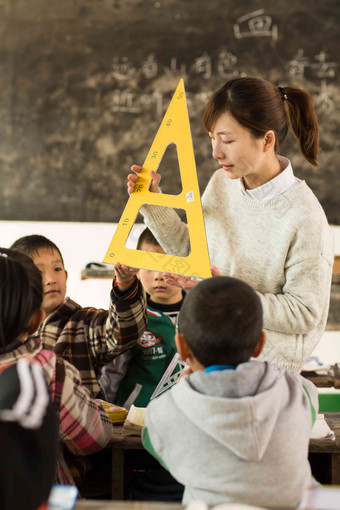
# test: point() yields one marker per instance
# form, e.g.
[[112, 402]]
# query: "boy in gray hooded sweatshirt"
[[235, 429]]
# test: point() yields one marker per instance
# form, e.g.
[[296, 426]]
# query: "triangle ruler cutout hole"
[[174, 129], [171, 183], [136, 231]]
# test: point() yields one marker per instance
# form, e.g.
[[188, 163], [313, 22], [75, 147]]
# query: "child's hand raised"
[[125, 275], [133, 178]]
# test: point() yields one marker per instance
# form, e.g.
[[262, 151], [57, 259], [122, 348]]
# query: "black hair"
[[146, 237], [21, 294], [259, 106], [221, 320], [32, 243]]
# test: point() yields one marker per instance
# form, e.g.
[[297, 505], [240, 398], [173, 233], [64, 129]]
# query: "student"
[[28, 437], [84, 427], [86, 337], [263, 224], [134, 376], [234, 430]]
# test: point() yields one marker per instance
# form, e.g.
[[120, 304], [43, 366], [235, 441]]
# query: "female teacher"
[[263, 224]]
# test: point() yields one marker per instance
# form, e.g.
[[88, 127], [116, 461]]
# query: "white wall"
[[81, 243]]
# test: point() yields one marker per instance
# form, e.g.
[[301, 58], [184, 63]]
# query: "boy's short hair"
[[32, 243], [221, 320], [146, 237]]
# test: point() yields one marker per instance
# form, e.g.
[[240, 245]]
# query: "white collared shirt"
[[280, 184]]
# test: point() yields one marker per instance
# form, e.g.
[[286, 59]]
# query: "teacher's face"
[[236, 150]]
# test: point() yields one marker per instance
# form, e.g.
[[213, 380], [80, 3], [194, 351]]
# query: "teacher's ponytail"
[[303, 122]]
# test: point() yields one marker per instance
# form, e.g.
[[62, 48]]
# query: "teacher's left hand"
[[185, 282]]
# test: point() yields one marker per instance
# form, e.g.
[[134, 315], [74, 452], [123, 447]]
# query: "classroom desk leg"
[[117, 473], [336, 469]]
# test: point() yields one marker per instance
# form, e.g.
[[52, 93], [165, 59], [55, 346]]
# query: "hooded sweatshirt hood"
[[225, 435], [231, 409]]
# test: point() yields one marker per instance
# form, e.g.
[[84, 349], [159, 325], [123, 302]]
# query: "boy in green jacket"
[[132, 377]]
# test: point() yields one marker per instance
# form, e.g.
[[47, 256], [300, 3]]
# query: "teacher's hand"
[[177, 280], [133, 178], [185, 282]]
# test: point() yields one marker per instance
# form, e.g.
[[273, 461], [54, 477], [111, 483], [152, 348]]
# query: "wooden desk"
[[126, 505], [329, 450], [119, 444], [329, 380]]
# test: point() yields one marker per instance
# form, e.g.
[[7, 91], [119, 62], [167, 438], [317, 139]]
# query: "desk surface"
[[124, 442], [328, 445], [119, 441], [126, 505]]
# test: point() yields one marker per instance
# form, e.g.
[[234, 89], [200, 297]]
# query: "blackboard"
[[85, 83]]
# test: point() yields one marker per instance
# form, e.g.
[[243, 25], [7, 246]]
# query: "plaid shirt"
[[89, 338], [84, 425]]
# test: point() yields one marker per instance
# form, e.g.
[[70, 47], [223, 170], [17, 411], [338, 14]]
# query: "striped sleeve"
[[84, 425], [120, 328]]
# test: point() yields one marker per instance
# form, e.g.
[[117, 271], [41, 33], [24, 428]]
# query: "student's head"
[[47, 257], [266, 112], [20, 297], [220, 323], [154, 281]]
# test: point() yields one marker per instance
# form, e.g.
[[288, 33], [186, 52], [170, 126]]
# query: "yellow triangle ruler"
[[175, 128]]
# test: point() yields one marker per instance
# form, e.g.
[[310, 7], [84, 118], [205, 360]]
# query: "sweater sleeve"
[[167, 227], [84, 425], [303, 302]]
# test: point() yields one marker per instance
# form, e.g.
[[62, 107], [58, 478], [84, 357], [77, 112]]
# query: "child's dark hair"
[[146, 237], [32, 243], [259, 106], [21, 294], [221, 320]]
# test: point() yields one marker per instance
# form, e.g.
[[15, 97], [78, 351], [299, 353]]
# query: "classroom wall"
[[81, 243]]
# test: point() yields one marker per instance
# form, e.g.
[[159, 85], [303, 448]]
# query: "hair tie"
[[283, 92]]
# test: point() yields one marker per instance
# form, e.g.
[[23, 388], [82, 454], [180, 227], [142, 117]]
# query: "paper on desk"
[[313, 364], [320, 498], [134, 422], [321, 429], [201, 505]]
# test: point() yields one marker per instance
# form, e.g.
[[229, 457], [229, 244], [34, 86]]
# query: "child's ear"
[[260, 345], [182, 347], [35, 321]]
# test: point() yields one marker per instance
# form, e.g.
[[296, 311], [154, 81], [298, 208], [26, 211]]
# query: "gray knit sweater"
[[282, 247]]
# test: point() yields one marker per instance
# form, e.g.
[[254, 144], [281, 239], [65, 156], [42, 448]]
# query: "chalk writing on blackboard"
[[323, 68], [255, 24], [123, 70], [80, 103]]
